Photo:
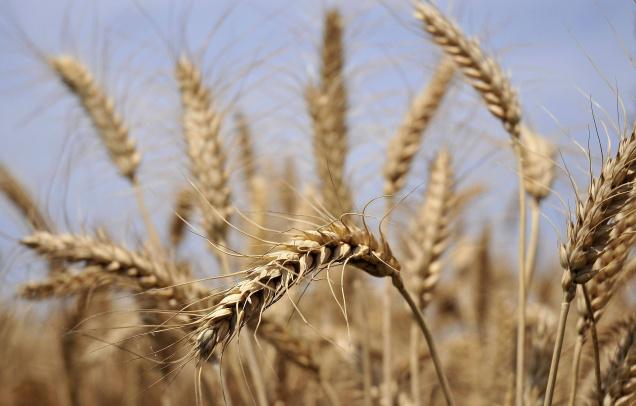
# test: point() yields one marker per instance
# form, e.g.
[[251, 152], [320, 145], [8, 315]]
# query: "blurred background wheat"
[[199, 199]]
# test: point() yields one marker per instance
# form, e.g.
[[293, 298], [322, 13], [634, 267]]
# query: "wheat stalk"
[[406, 141], [183, 207], [74, 283], [201, 128], [327, 107], [146, 271], [601, 288], [483, 73]]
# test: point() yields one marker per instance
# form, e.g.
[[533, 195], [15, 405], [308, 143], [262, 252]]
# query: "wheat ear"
[[619, 378], [109, 125], [147, 272], [20, 197], [246, 150], [101, 110], [201, 129], [588, 234], [327, 106], [74, 283], [309, 252], [406, 141]]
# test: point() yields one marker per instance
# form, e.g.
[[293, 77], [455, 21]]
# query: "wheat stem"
[[145, 214], [595, 346], [533, 244], [576, 365], [556, 354], [419, 317], [521, 310]]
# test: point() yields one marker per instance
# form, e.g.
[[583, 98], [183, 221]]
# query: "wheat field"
[[234, 220]]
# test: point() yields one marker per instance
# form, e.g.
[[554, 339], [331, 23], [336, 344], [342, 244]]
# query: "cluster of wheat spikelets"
[[298, 319]]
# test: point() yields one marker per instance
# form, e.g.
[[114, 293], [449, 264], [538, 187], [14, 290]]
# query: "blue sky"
[[558, 54]]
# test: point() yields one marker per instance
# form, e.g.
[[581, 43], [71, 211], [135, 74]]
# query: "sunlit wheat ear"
[[101, 109], [201, 123], [183, 208], [619, 377], [483, 73], [589, 232], [283, 268], [429, 237], [406, 141], [327, 106], [20, 197], [537, 154]]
